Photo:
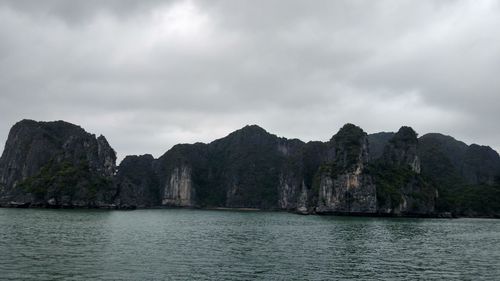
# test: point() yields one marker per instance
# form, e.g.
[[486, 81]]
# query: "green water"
[[37, 244]]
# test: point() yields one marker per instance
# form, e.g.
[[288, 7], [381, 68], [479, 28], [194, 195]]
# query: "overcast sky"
[[150, 74]]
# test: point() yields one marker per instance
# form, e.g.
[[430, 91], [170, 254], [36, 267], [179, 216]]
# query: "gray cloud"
[[149, 74]]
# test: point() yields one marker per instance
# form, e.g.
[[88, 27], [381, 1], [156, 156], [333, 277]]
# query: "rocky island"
[[60, 165]]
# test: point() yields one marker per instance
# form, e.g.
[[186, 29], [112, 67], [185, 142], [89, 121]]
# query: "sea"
[[187, 244]]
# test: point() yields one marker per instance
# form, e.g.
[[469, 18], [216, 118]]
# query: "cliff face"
[[377, 143], [246, 165], [401, 189], [474, 164], [402, 150], [56, 164], [249, 168], [240, 170], [298, 175], [179, 190], [137, 182], [182, 175], [481, 165], [344, 187], [466, 176]]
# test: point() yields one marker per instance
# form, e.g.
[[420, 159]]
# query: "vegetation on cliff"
[[57, 163], [66, 182], [467, 177]]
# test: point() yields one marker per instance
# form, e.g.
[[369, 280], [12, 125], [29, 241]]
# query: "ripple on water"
[[225, 245]]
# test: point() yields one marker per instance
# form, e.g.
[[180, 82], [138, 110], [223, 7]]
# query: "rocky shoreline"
[[60, 165], [444, 215]]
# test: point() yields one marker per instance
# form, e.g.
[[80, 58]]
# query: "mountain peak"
[[52, 126], [253, 128], [250, 131], [349, 131], [406, 135]]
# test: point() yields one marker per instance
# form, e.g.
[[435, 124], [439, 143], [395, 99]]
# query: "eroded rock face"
[[377, 143], [344, 187], [347, 193], [287, 190], [56, 164], [254, 169], [481, 165], [466, 176], [401, 190], [137, 182], [179, 190], [293, 192], [248, 167], [106, 157], [402, 150], [445, 157]]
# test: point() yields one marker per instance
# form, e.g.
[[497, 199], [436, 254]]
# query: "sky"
[[151, 74]]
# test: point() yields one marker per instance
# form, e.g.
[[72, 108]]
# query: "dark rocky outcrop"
[[240, 170], [344, 187], [481, 165], [137, 182], [183, 175], [299, 181], [401, 189], [56, 164], [402, 150], [466, 176], [377, 143]]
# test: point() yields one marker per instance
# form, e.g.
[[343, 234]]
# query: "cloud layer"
[[150, 74]]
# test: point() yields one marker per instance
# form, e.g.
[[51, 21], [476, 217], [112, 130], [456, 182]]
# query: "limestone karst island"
[[60, 165]]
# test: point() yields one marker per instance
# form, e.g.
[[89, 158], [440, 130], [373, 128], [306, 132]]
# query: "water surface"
[[39, 244]]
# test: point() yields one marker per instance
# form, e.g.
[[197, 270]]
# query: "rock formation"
[[344, 187], [401, 189], [466, 176], [57, 164], [137, 183]]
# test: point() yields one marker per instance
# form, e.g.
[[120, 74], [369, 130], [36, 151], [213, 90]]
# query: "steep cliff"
[[377, 143], [137, 182], [183, 175], [254, 169], [56, 164], [249, 165], [401, 189], [344, 187], [240, 170], [481, 165], [249, 168], [466, 176], [298, 183]]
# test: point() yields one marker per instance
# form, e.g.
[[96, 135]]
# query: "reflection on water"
[[226, 245]]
